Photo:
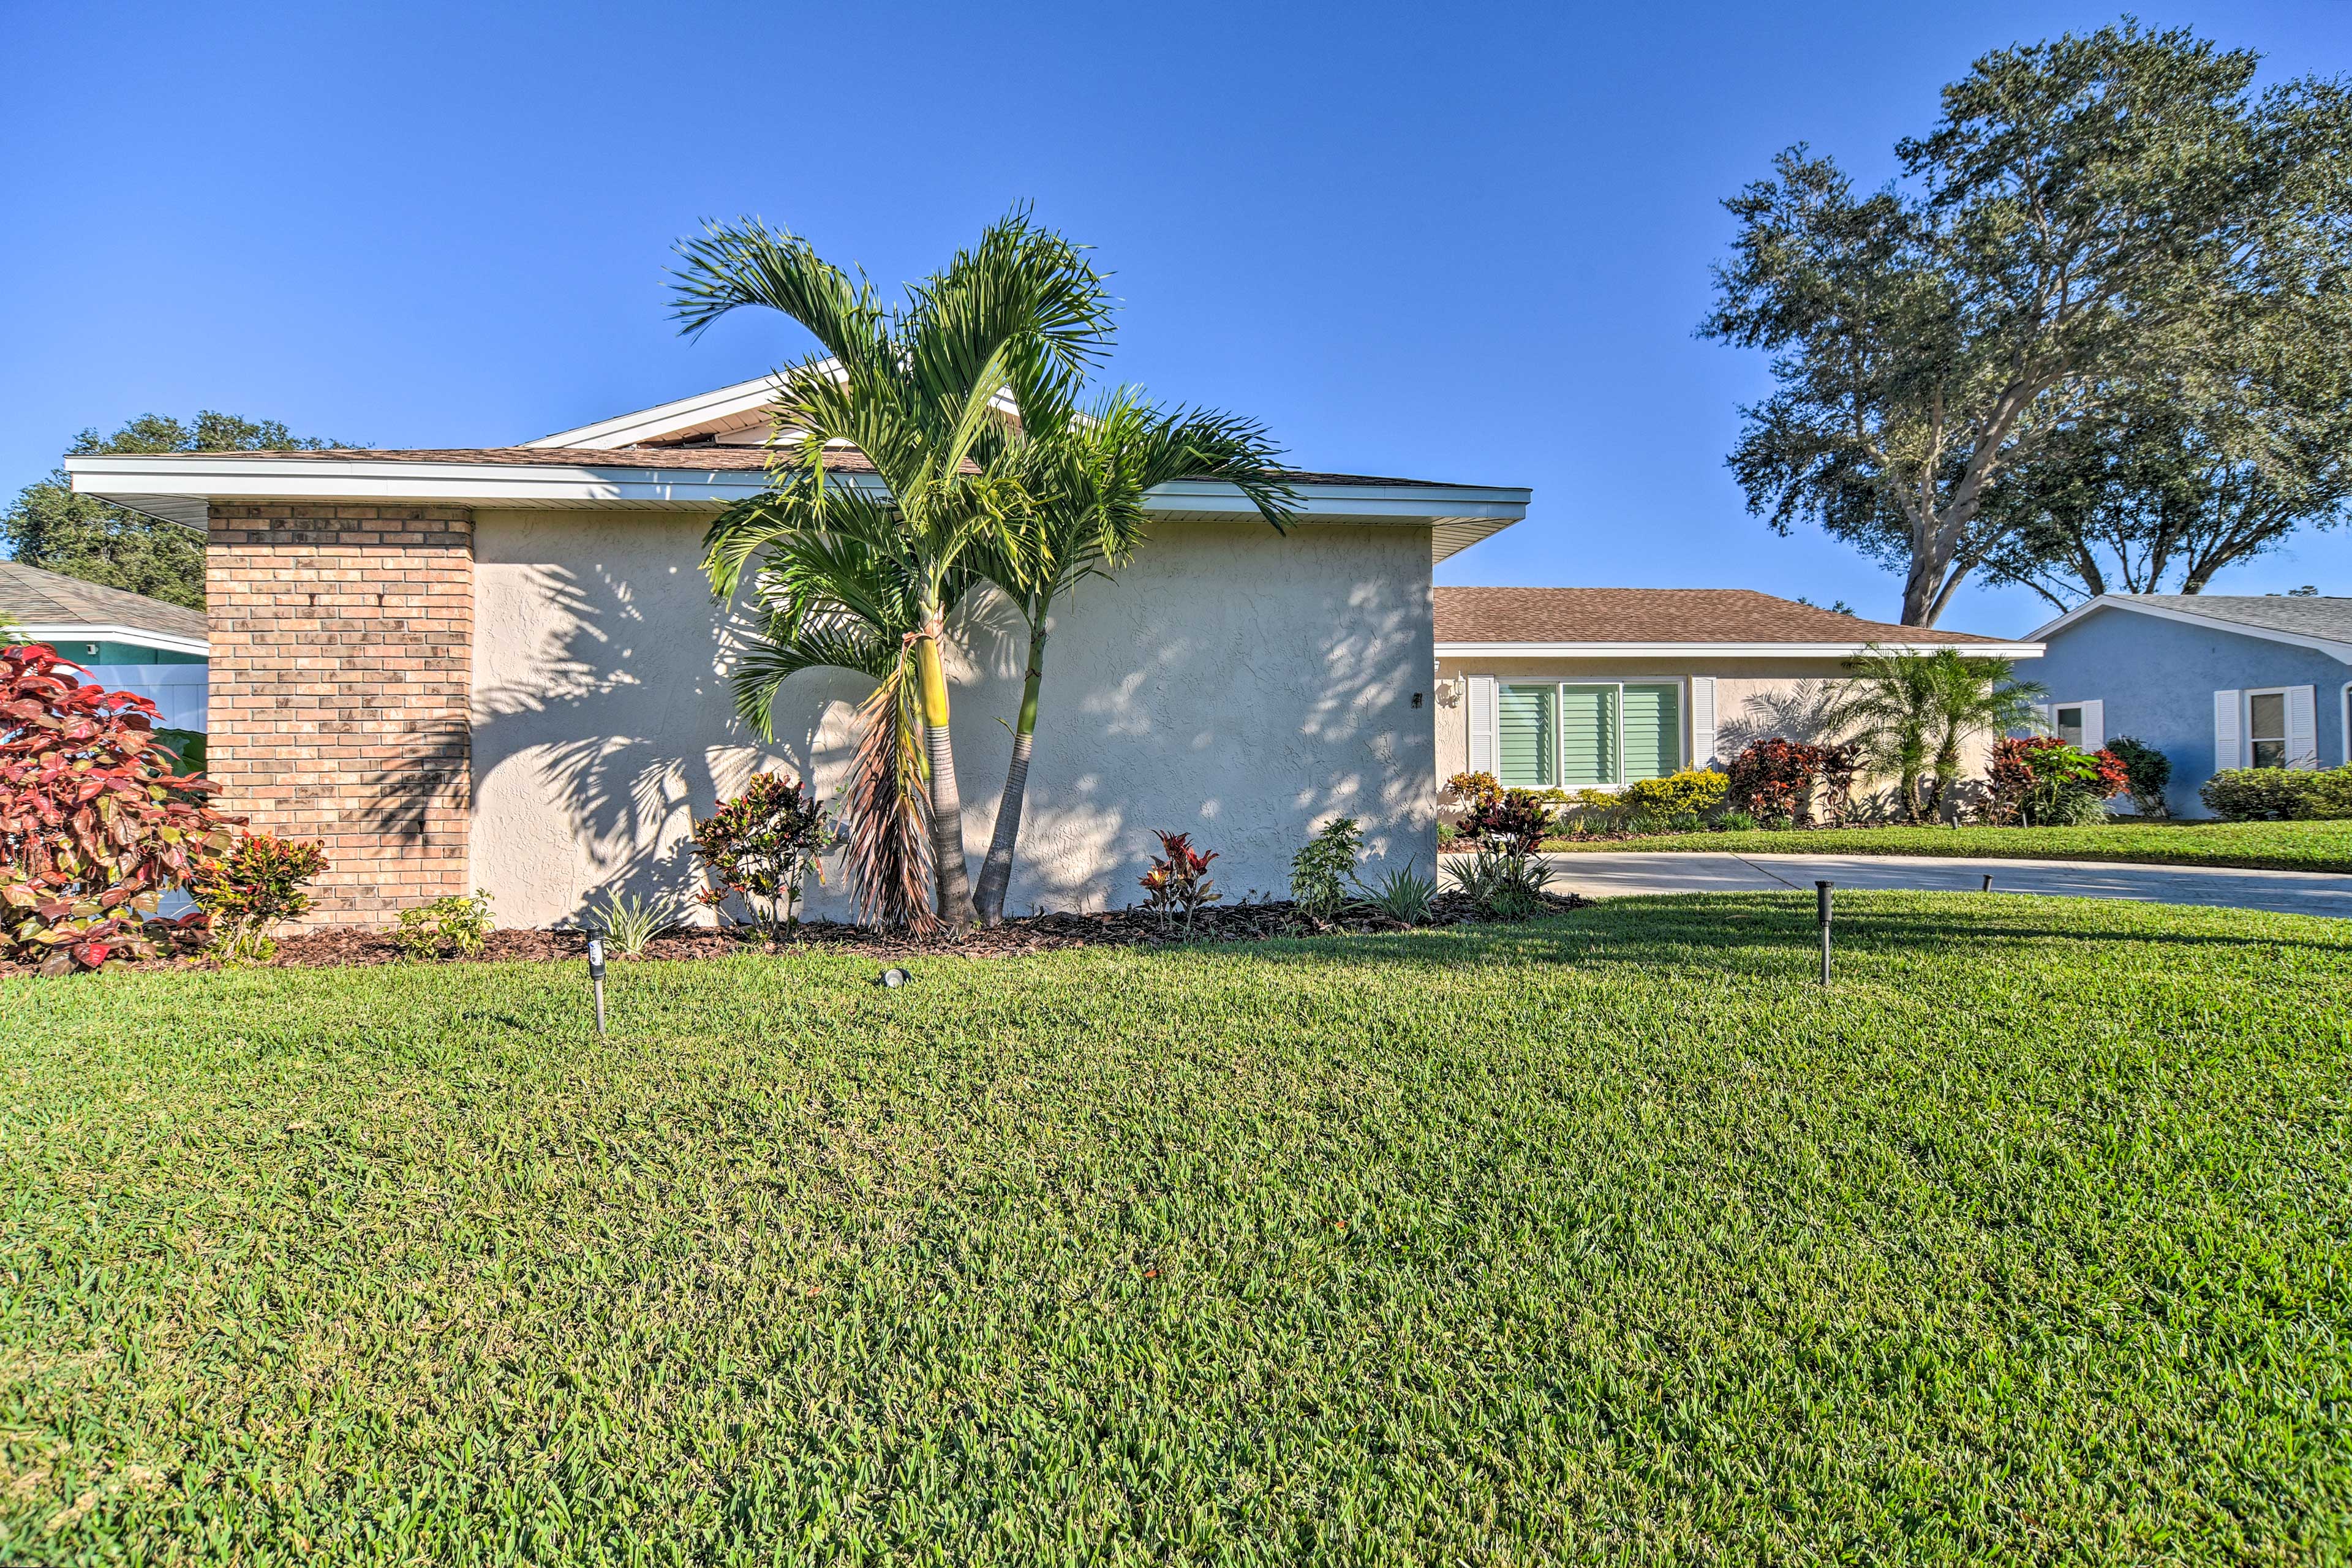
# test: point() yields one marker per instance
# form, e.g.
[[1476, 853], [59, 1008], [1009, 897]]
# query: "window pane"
[[1524, 736], [2270, 753], [2267, 713], [1653, 731], [2070, 725], [1589, 735]]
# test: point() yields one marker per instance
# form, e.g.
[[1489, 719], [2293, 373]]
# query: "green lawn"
[[1607, 1236], [2276, 846]]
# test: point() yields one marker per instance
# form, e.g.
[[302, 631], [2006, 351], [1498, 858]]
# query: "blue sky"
[[1453, 242]]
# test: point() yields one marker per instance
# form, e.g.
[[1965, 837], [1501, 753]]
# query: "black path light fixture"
[[597, 973], [1821, 908]]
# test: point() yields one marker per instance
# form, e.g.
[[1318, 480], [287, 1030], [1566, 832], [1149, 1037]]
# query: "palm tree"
[[1086, 478], [919, 392], [838, 597], [1913, 713], [1890, 708], [1972, 697]]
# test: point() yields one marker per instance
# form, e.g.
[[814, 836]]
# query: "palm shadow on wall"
[[1151, 720]]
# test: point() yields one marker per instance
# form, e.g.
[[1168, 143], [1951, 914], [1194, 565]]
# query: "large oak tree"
[[2092, 218]]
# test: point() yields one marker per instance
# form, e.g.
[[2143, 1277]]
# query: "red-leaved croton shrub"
[[2041, 781], [249, 891], [1772, 779], [95, 821]]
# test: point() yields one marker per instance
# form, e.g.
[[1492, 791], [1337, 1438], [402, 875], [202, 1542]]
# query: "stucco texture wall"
[[1238, 684], [1755, 699], [2156, 679]]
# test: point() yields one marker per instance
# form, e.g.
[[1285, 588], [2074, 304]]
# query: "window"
[[1580, 735], [2068, 723], [2266, 727]]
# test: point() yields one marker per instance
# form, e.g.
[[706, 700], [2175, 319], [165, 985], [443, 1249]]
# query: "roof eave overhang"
[[181, 487], [2340, 651], [101, 631], [1726, 649]]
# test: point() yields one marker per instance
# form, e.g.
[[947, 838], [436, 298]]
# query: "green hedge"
[[2279, 794]]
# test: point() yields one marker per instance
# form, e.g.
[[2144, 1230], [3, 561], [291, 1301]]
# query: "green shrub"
[[248, 891], [631, 924], [1320, 872], [457, 925], [2279, 794], [1690, 790], [1504, 884], [1404, 895], [1736, 822], [2146, 772]]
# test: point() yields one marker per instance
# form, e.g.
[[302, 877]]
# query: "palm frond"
[[747, 263], [887, 848]]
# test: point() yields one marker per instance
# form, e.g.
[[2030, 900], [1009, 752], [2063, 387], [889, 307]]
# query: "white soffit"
[[179, 487]]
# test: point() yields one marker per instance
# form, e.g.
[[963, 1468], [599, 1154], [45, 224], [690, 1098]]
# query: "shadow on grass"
[[1685, 929]]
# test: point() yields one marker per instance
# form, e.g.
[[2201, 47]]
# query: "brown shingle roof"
[[30, 596], [1657, 615], [709, 458]]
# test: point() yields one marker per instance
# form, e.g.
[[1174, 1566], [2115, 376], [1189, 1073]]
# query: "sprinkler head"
[[892, 978]]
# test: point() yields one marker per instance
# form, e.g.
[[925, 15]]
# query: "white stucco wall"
[[1242, 686]]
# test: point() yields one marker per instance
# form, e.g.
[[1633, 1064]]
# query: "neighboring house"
[[2211, 680], [1595, 687], [123, 641], [502, 667]]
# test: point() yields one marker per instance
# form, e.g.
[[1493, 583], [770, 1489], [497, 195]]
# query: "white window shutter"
[[2226, 754], [2302, 727], [1483, 759], [1702, 721], [2045, 719], [2095, 724]]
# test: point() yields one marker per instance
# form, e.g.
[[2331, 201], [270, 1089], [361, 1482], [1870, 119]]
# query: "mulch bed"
[[346, 946]]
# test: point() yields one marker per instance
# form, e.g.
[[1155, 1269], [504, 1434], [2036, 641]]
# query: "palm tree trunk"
[[954, 877], [996, 871]]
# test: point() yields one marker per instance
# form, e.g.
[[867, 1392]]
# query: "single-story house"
[[123, 641], [2211, 680], [1596, 688], [500, 667]]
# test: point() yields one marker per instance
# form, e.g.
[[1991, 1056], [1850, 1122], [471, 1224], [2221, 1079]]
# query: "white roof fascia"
[[95, 631], [1726, 649], [741, 406], [173, 484], [727, 405], [2132, 601]]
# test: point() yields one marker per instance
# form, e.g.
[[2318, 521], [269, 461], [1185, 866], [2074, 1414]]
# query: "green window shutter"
[[1525, 731], [1653, 731], [1588, 725]]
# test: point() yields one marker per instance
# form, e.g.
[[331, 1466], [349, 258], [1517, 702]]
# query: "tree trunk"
[[952, 878], [996, 871]]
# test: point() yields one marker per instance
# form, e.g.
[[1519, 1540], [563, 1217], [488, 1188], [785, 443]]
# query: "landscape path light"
[[597, 973]]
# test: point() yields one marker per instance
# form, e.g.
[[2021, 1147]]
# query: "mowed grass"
[[1610, 1237], [2264, 846]]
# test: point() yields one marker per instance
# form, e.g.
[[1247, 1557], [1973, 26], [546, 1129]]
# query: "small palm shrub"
[[1404, 894], [248, 892], [457, 926], [1178, 883], [1503, 884], [1320, 872], [631, 923]]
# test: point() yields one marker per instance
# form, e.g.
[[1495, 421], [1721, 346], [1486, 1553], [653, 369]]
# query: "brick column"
[[342, 645]]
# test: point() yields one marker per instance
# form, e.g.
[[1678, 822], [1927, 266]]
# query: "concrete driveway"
[[1600, 874]]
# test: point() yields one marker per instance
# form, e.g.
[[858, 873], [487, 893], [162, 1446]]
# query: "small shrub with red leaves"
[[95, 819], [248, 892]]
